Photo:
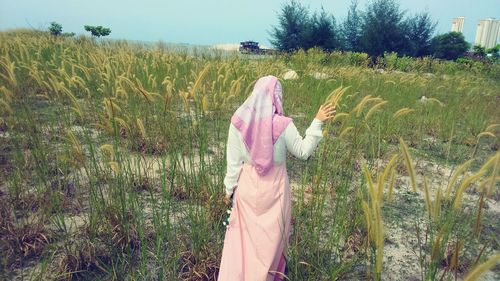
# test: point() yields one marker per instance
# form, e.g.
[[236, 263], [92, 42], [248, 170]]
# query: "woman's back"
[[290, 139]]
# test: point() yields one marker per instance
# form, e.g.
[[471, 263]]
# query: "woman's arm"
[[303, 147], [234, 160], [300, 147]]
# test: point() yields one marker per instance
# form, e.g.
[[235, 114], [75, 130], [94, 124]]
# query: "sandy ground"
[[401, 257]]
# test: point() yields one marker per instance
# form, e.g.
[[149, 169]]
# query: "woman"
[[259, 224]]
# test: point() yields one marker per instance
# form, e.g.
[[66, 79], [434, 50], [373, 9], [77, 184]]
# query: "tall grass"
[[112, 159]]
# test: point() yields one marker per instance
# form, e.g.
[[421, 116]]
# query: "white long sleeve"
[[235, 157], [300, 147], [290, 139]]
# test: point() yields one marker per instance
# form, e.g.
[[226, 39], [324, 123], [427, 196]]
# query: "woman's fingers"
[[326, 111], [329, 108], [326, 106], [330, 113]]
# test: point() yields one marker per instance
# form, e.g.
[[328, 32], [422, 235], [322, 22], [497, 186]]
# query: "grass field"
[[112, 161]]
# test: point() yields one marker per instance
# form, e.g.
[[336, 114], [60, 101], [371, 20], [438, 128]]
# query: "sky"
[[208, 22]]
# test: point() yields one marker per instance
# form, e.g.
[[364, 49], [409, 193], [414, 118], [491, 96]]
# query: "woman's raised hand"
[[325, 112]]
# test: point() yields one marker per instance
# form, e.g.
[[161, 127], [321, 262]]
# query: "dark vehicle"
[[252, 47]]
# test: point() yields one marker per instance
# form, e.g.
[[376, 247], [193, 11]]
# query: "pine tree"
[[351, 29], [382, 29], [292, 33], [323, 31], [419, 30]]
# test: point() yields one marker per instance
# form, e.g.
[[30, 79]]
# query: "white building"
[[457, 24], [487, 33]]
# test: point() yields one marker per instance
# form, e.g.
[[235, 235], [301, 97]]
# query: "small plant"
[[372, 203], [23, 240], [79, 257]]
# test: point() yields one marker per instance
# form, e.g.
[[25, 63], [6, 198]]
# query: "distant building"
[[487, 32], [457, 24]]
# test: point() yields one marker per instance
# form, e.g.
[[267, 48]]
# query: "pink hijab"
[[260, 121]]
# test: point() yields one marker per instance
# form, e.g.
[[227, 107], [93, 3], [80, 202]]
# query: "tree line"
[[96, 31], [382, 27]]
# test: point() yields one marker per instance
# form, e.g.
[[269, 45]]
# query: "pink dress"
[[259, 224]]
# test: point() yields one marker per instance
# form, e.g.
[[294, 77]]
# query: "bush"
[[358, 59]]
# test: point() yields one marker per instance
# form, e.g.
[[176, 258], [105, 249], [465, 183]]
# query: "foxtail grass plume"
[[409, 164]]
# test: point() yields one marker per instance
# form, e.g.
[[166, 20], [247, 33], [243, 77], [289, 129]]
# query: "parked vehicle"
[[252, 47]]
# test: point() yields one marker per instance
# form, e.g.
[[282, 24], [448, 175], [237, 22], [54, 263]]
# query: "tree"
[[450, 46], [419, 30], [292, 32], [351, 29], [322, 32], [479, 51], [55, 28], [382, 29], [97, 31], [494, 51]]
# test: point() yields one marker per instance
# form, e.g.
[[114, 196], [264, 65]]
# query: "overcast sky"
[[209, 22]]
